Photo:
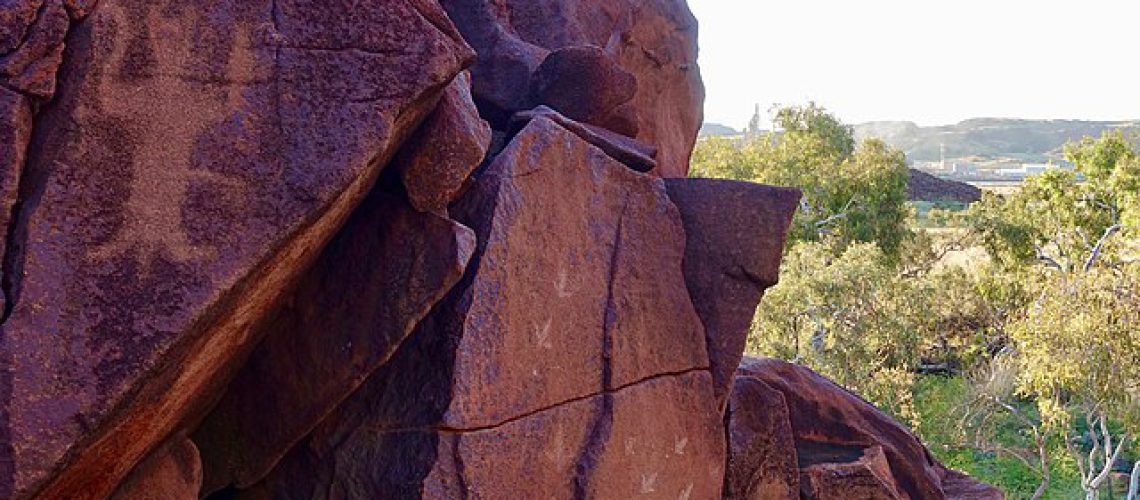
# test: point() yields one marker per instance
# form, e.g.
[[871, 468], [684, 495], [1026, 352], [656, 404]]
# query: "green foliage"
[[1079, 348], [851, 317], [851, 195], [941, 405], [1048, 322]]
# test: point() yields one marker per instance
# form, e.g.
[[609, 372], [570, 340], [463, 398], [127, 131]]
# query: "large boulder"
[[844, 446], [735, 241], [578, 52], [195, 159], [761, 448], [568, 362]]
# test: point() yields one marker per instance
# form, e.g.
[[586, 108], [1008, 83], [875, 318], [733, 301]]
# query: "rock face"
[[171, 472], [588, 47], [565, 344], [844, 446], [311, 249], [736, 235], [374, 282], [195, 159]]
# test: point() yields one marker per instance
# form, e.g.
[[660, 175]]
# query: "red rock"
[[15, 132], [437, 161], [196, 158], [655, 41], [575, 355], [735, 241], [374, 282], [762, 454], [31, 45], [846, 448], [585, 84], [171, 472], [850, 474]]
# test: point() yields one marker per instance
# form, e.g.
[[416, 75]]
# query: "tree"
[[1078, 344], [851, 194]]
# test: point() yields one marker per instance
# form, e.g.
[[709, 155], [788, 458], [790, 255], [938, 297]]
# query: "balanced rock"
[[735, 241], [436, 162], [194, 160]]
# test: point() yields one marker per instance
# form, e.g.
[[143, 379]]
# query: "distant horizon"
[[932, 64], [766, 125]]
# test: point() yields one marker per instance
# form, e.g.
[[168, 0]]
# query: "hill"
[[1029, 141], [716, 129]]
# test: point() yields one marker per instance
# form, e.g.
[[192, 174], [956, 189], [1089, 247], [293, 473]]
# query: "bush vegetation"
[[1021, 367]]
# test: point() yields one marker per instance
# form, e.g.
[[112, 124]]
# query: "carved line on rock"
[[602, 426]]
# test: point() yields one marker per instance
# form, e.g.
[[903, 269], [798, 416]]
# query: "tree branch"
[[1113, 229]]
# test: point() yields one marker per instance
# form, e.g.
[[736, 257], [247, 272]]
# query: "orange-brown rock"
[[374, 282], [172, 471], [194, 160], [844, 446], [437, 161], [735, 240], [655, 41], [567, 362], [761, 454]]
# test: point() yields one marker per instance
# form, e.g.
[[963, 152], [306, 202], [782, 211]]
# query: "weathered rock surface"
[[585, 84], [655, 41], [844, 446], [569, 353], [374, 282], [436, 162], [293, 249], [735, 242], [761, 449], [195, 159]]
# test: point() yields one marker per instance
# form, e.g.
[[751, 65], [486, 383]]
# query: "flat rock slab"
[[375, 281], [577, 348], [194, 161], [735, 242]]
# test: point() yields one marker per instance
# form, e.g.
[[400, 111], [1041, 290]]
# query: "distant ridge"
[[1029, 141], [716, 129]]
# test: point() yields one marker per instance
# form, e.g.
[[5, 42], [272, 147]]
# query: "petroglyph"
[[162, 172]]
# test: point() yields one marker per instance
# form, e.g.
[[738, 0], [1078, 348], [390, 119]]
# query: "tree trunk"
[[1134, 484]]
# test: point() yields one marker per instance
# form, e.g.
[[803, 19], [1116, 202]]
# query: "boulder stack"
[[393, 249]]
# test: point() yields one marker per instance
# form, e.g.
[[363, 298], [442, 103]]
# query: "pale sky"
[[931, 62]]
